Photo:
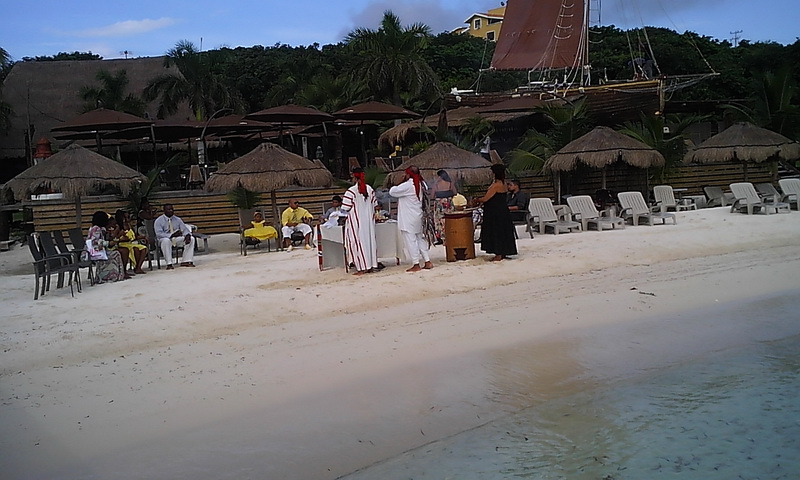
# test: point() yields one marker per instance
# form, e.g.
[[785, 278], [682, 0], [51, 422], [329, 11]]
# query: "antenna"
[[735, 38]]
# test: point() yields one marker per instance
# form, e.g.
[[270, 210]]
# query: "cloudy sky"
[[149, 28]]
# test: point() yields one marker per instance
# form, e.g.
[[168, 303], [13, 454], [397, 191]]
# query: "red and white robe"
[[359, 230]]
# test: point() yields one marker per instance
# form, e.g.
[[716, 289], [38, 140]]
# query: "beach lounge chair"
[[665, 198], [584, 210], [791, 191], [748, 200], [768, 192], [635, 209], [542, 215], [717, 198]]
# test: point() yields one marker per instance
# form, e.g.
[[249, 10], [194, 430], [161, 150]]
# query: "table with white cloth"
[[387, 235]]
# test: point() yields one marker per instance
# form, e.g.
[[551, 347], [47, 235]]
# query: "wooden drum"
[[458, 234]]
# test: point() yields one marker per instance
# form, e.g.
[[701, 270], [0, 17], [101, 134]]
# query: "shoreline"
[[267, 368]]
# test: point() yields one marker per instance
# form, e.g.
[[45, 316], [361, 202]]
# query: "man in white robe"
[[409, 194], [359, 230]]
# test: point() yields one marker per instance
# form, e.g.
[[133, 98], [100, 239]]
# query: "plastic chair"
[[45, 266]]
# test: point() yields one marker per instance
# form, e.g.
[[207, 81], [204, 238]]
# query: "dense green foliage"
[[111, 94], [200, 83], [62, 56]]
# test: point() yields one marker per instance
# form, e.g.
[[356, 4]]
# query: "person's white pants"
[[417, 247], [166, 249], [300, 227]]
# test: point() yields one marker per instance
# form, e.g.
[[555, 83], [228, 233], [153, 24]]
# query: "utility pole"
[[735, 38]]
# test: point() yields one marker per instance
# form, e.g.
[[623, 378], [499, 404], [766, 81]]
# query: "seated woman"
[[114, 234], [108, 262], [257, 231], [135, 244]]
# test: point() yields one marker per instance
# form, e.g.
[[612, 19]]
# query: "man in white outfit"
[[359, 231], [409, 195], [171, 231]]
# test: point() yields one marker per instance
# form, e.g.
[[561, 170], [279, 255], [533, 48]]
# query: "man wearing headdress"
[[359, 231], [409, 194]]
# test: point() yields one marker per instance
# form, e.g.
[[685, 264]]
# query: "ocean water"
[[730, 414]]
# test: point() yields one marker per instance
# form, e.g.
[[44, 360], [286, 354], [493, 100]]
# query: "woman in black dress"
[[497, 230]]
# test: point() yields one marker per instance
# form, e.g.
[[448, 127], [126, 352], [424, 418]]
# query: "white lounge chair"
[[768, 191], [665, 198], [635, 208], [791, 191], [717, 198], [583, 210], [542, 215], [748, 200]]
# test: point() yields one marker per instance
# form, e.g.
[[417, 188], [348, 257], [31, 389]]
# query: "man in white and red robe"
[[410, 218], [359, 230]]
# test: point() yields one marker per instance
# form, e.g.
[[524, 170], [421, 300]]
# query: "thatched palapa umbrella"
[[460, 164], [75, 172], [268, 168], [602, 147], [744, 142]]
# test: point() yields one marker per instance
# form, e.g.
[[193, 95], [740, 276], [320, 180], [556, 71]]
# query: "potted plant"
[[246, 201]]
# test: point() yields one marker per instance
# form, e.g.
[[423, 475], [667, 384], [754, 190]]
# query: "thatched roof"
[[462, 164], [744, 142], [268, 168], [46, 93], [75, 172], [603, 146], [455, 118]]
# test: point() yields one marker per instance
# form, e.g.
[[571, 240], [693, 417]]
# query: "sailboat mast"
[[586, 64]]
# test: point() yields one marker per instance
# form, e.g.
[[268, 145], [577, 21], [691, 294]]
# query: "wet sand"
[[264, 367]]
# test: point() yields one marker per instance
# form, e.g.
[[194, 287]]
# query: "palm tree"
[[5, 108], [111, 94], [475, 132], [664, 135], [330, 94], [390, 59], [197, 82], [774, 104], [567, 122]]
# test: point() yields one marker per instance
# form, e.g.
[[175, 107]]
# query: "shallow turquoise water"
[[731, 414]]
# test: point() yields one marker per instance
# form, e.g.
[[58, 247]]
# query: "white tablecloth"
[[390, 244]]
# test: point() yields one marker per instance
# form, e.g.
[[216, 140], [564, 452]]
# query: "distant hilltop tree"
[[64, 56]]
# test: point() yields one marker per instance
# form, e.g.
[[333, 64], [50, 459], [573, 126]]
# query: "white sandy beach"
[[264, 367]]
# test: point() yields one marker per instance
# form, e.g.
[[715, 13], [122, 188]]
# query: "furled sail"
[[541, 34]]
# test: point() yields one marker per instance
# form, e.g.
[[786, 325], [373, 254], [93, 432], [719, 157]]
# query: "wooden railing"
[[212, 213]]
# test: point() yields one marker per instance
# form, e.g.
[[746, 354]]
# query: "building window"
[[490, 36], [477, 24]]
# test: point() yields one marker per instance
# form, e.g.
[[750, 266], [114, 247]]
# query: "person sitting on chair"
[[171, 231], [257, 231], [137, 251], [335, 210], [293, 220], [517, 201]]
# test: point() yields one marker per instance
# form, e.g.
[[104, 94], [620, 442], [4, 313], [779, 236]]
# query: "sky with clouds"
[[146, 28]]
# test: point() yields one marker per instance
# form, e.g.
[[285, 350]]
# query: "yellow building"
[[484, 25]]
